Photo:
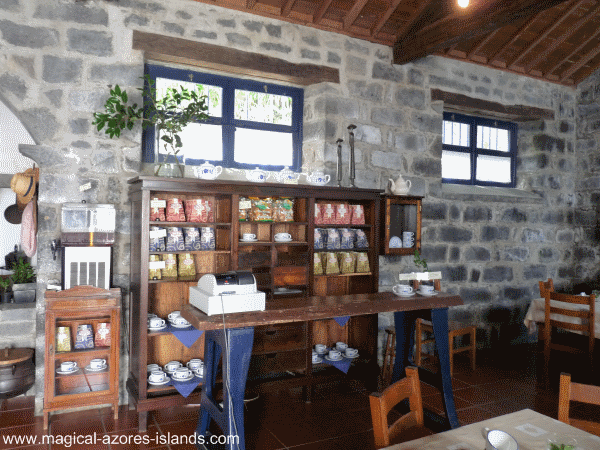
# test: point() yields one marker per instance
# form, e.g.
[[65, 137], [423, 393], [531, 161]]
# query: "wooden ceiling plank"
[[351, 16], [250, 4], [516, 37], [482, 43], [200, 54], [385, 16], [453, 29], [579, 64], [287, 7], [424, 14], [321, 11], [556, 24]]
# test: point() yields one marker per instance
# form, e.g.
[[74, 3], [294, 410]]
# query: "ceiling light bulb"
[[463, 3]]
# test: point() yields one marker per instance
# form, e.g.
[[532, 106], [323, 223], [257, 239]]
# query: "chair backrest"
[[437, 285], [546, 286], [382, 403], [586, 316], [584, 393]]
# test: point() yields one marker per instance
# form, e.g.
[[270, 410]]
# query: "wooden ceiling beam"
[[482, 42], [425, 14], [321, 11], [580, 47], [250, 4], [482, 19], [579, 64], [515, 37], [353, 13], [385, 16], [286, 9]]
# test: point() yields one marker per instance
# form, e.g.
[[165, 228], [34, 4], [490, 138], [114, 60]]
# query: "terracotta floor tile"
[[82, 422], [175, 414], [16, 417], [473, 414], [362, 440], [21, 402], [133, 439], [475, 395]]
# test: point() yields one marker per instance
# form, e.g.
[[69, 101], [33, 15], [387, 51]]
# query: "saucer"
[[341, 358], [405, 295], [181, 326], [351, 357], [248, 240], [428, 295], [99, 369], [323, 352], [183, 379], [66, 372], [283, 240], [159, 383], [196, 375], [157, 328], [318, 361]]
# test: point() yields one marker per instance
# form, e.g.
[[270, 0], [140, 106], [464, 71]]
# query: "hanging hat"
[[12, 214], [24, 185]]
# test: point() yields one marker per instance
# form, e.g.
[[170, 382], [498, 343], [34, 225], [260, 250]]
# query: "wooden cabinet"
[[400, 214], [283, 269], [79, 308]]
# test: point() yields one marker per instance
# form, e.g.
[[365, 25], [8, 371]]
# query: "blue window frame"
[[478, 151], [251, 123]]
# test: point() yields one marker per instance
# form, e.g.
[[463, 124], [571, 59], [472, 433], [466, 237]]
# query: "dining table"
[[529, 428], [535, 315]]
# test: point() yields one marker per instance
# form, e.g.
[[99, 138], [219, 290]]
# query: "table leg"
[[235, 345]]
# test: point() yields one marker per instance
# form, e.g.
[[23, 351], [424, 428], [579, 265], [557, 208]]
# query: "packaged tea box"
[[175, 211], [362, 262], [157, 210], [357, 214], [245, 206], [346, 262], [191, 238], [154, 272], [361, 240], [342, 214], [195, 211], [157, 239], [332, 266], [328, 212], [186, 266], [175, 240], [318, 264], [318, 214], [333, 239], [170, 270]]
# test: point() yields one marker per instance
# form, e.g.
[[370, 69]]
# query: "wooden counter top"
[[319, 307]]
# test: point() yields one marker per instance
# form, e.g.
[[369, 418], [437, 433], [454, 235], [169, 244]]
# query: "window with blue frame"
[[251, 123], [478, 151]]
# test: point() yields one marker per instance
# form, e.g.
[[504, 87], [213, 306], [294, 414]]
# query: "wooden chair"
[[544, 286], [586, 315], [410, 425], [389, 355], [577, 392]]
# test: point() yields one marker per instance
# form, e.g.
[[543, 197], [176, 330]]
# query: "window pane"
[[200, 141], [455, 133], [503, 140], [214, 93], [491, 138], [263, 147], [493, 168], [456, 165], [261, 107]]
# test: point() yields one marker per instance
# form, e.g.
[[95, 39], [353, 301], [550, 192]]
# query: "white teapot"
[[400, 186], [207, 171], [257, 175], [286, 175], [318, 178]]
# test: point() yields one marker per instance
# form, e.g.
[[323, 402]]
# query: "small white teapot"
[[207, 171], [286, 175], [257, 175], [400, 186], [318, 178]]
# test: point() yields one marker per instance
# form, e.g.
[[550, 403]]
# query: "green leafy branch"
[[169, 114], [420, 262]]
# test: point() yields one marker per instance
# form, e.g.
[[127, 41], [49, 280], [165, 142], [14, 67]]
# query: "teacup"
[[157, 376], [179, 321], [183, 373], [199, 371], [98, 363], [426, 289], [171, 366], [351, 352], [194, 364], [402, 289], [408, 234], [156, 322], [68, 366], [335, 355], [248, 237], [174, 314], [150, 315], [153, 368], [498, 440], [320, 348], [316, 358], [283, 237], [341, 346]]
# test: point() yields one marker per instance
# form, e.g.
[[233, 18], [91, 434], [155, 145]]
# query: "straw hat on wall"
[[24, 185]]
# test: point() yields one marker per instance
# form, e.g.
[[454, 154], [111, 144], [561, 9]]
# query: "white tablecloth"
[[530, 429], [535, 314]]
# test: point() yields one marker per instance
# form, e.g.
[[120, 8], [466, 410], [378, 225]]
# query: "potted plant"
[[425, 276], [169, 111], [23, 282], [4, 290]]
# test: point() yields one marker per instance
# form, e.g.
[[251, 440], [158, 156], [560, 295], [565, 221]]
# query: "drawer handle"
[[270, 332], [271, 355]]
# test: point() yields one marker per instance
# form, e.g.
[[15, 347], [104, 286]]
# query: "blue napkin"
[[188, 336], [185, 388], [342, 320], [343, 364]]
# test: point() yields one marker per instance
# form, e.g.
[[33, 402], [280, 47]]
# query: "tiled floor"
[[339, 416]]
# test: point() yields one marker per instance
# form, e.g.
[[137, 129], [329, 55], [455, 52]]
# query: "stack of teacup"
[[196, 365], [345, 351], [155, 323], [177, 321], [408, 239], [178, 371], [156, 375]]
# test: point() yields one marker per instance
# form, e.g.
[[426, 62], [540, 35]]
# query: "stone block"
[[333, 58], [475, 295], [531, 235], [426, 123], [454, 274], [253, 25], [454, 255], [48, 219], [306, 53], [435, 80], [483, 91], [546, 143], [565, 236], [55, 97], [475, 275], [321, 130], [387, 116], [411, 142], [355, 46], [134, 19], [31, 37], [90, 42], [384, 71], [547, 255], [273, 30], [514, 215], [9, 5], [415, 77], [477, 214], [455, 234], [368, 134], [238, 39], [275, 47], [535, 272], [454, 212], [411, 98], [72, 12], [226, 23], [61, 70], [385, 159], [40, 122], [477, 254], [584, 218], [13, 85], [427, 167], [79, 126], [360, 89], [581, 254], [515, 254], [104, 161], [497, 274], [173, 28], [434, 211], [532, 163], [434, 253]]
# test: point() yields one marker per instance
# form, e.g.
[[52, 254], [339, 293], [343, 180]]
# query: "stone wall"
[[492, 246]]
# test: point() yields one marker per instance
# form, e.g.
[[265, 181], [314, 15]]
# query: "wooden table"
[[530, 429], [239, 332], [536, 311]]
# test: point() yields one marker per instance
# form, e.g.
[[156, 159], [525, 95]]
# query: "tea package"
[[186, 265], [155, 267], [362, 262], [284, 210], [318, 214], [361, 240], [328, 212], [194, 210], [170, 269], [245, 206], [342, 214], [191, 239], [175, 211], [347, 262], [262, 209], [318, 264], [157, 239], [333, 239], [208, 209], [357, 214], [175, 240], [332, 266], [157, 210]]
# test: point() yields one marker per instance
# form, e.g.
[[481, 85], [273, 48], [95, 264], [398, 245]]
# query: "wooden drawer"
[[277, 338], [290, 276], [278, 362]]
